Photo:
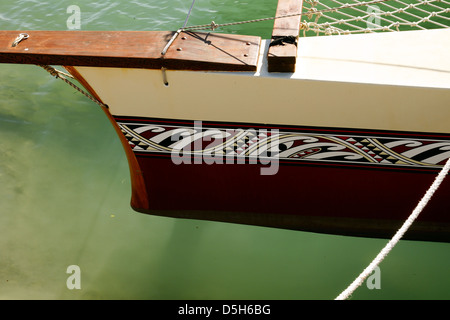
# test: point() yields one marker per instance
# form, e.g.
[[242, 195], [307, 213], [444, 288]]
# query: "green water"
[[65, 191]]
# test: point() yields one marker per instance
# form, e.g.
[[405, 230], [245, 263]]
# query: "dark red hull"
[[320, 196]]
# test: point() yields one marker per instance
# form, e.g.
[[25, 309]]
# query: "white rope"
[[214, 25], [391, 15], [314, 26], [385, 251]]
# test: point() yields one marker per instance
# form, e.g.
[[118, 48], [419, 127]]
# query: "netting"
[[328, 17]]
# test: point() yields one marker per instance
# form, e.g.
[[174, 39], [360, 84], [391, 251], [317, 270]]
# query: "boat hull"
[[347, 149], [316, 179]]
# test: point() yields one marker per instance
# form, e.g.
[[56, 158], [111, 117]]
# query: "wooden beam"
[[132, 49], [282, 53]]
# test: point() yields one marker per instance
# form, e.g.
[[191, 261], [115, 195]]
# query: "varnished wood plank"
[[205, 51], [132, 49], [282, 53]]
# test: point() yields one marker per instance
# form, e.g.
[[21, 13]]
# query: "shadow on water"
[[178, 272]]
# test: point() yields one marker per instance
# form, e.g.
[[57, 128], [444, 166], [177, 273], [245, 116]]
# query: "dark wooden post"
[[282, 53]]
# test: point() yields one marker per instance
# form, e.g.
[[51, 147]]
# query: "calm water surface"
[[65, 191]]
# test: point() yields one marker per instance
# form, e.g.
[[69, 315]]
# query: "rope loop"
[[61, 75]]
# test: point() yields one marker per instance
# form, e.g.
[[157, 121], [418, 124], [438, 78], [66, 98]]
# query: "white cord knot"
[[213, 25]]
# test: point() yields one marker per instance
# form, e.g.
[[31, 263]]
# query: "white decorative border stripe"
[[287, 145]]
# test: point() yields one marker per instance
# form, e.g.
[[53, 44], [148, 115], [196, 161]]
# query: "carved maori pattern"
[[288, 146]]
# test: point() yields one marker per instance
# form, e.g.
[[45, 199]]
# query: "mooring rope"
[[385, 251]]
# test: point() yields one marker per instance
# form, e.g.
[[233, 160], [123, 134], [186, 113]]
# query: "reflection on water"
[[65, 191]]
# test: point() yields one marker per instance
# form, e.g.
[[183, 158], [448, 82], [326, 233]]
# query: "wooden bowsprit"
[[131, 49]]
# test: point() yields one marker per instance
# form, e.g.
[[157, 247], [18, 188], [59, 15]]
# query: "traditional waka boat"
[[339, 134]]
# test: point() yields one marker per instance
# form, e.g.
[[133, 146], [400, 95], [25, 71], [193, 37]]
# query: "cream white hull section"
[[394, 81]]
